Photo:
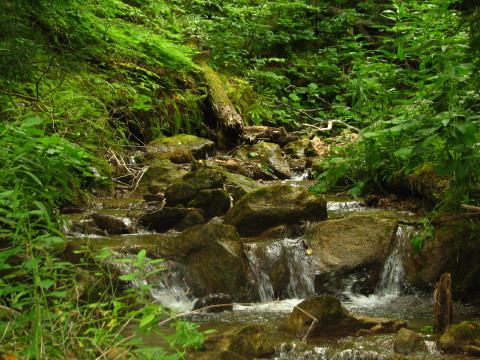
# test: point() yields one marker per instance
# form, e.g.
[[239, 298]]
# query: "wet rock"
[[325, 315], [268, 155], [346, 246], [185, 190], [214, 299], [111, 224], [170, 217], [214, 257], [454, 249], [467, 333], [199, 147], [159, 175], [212, 202], [250, 341], [84, 227], [407, 342], [273, 206]]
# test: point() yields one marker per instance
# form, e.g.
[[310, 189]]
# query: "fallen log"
[[228, 119], [254, 134]]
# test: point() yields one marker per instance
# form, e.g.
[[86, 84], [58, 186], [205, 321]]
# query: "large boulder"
[[325, 315], [461, 337], [185, 190], [199, 147], [159, 175], [250, 341], [276, 205], [267, 155], [213, 257], [407, 342], [454, 249], [343, 246]]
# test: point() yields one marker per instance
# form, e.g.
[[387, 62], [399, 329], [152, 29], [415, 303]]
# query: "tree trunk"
[[229, 120], [443, 304]]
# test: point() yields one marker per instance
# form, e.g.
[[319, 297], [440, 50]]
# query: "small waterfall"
[[393, 271], [170, 287], [262, 279], [289, 255]]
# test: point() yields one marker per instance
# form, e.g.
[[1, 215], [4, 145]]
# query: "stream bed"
[[392, 297]]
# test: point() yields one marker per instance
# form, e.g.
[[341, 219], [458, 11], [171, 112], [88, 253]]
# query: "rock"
[[268, 155], [214, 258], [214, 299], [350, 245], [158, 176], [296, 149], [273, 206], [472, 350], [250, 341], [407, 342], [454, 249], [212, 202], [459, 336], [239, 185], [85, 227], [329, 317], [111, 224], [170, 217], [186, 189], [177, 156], [199, 147]]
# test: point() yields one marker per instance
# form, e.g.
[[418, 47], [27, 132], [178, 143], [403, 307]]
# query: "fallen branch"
[[470, 207], [330, 125], [456, 217]]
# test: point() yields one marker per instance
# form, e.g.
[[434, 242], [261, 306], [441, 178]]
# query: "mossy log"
[[229, 120]]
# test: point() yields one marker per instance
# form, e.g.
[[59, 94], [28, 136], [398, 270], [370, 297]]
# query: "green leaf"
[[129, 277], [31, 122], [46, 283], [147, 319]]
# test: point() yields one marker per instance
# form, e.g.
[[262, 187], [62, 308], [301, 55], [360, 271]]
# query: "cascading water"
[[169, 278], [288, 253], [393, 271]]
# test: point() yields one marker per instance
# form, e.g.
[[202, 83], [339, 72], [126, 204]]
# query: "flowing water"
[[276, 301]]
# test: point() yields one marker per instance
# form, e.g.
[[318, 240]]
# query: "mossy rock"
[[454, 249], [185, 190], [459, 336], [407, 342], [214, 257], [356, 245], [212, 202], [268, 155], [199, 147], [276, 205], [239, 185], [170, 217], [325, 316], [250, 341], [158, 176]]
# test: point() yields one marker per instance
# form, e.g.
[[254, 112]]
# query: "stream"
[[392, 297]]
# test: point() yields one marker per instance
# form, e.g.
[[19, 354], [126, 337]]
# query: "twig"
[[314, 322], [330, 125], [21, 96], [10, 310]]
